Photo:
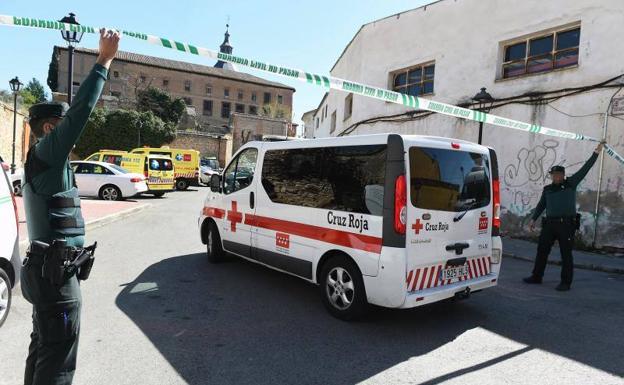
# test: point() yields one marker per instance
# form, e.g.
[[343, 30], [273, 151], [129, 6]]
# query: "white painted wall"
[[465, 38]]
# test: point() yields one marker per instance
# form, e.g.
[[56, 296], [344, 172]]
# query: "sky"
[[307, 35]]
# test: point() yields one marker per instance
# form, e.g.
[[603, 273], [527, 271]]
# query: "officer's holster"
[[60, 262]]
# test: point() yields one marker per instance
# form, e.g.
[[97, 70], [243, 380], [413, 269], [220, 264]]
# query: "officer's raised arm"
[[55, 146], [578, 176]]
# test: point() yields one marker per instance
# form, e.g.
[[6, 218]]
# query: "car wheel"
[[214, 250], [5, 296], [17, 188], [182, 184], [342, 289], [110, 193]]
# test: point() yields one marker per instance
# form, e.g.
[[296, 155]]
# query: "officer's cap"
[[48, 110], [557, 169]]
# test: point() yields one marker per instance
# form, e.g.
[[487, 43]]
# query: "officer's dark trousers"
[[56, 323], [562, 231]]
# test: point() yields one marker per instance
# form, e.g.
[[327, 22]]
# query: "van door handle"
[[458, 247], [251, 200]]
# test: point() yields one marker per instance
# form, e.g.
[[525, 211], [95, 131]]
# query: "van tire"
[[214, 249], [159, 194], [182, 184], [348, 283], [110, 193], [5, 296]]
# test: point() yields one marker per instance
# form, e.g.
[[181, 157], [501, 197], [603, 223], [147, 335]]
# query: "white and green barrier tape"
[[327, 82]]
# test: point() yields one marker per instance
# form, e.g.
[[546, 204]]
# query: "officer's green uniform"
[[56, 311], [559, 201]]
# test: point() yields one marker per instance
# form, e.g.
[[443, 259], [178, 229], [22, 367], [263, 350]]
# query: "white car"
[[205, 173], [10, 260], [107, 181], [15, 179]]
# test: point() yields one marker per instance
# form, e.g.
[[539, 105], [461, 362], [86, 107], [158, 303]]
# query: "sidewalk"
[[525, 250], [95, 213]]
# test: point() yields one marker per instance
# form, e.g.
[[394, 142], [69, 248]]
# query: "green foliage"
[[28, 98], [161, 104], [35, 88], [123, 130], [53, 72]]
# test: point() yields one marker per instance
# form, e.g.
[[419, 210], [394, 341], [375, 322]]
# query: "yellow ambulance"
[[108, 156], [185, 161], [158, 170]]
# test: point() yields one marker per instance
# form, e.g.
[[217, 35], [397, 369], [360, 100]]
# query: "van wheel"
[[182, 184], [159, 194], [110, 193], [342, 289], [5, 296], [214, 250]]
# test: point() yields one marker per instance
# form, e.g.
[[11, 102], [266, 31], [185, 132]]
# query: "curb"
[[584, 266], [99, 222]]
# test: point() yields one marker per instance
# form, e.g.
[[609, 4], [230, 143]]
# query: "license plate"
[[454, 272]]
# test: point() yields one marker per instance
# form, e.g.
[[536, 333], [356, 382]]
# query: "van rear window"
[[448, 180], [160, 164]]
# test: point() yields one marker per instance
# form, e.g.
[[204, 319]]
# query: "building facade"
[[308, 124], [553, 63], [212, 94]]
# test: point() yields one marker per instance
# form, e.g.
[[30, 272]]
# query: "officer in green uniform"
[[559, 201], [53, 213]]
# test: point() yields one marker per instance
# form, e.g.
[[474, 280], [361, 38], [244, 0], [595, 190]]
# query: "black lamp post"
[[15, 87], [483, 98], [72, 36]]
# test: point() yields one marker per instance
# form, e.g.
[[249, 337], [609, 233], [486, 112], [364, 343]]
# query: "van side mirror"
[[215, 183]]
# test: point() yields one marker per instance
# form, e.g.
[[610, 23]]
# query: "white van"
[[391, 220], [10, 261]]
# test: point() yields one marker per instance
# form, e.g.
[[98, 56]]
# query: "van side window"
[[346, 178], [239, 174], [448, 180]]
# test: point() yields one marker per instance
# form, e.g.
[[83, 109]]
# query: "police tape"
[[327, 82]]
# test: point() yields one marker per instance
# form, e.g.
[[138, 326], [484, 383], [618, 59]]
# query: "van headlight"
[[496, 255]]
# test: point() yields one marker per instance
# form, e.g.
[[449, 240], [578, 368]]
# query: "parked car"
[[15, 179], [208, 167], [107, 181], [10, 260]]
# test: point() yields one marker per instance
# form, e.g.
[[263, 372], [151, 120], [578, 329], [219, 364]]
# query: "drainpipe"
[[600, 172]]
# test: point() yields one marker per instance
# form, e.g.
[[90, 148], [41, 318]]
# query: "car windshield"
[[117, 168], [211, 163]]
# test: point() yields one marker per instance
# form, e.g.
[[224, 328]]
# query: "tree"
[[161, 104], [121, 130], [35, 88], [53, 72]]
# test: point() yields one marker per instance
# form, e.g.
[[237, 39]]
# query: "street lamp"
[[483, 98], [15, 87], [72, 36]]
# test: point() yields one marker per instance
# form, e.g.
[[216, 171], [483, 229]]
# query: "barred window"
[[417, 80]]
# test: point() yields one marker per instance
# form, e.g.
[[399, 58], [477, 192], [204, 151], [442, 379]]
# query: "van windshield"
[[160, 164], [448, 180]]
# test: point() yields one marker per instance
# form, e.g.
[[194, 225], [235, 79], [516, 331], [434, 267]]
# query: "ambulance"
[[392, 220], [157, 169], [186, 164], [108, 156]]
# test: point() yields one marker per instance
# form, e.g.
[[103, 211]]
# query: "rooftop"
[[175, 65]]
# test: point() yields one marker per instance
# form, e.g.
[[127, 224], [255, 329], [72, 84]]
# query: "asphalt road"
[[155, 312]]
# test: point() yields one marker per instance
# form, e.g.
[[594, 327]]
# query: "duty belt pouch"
[[87, 265], [65, 214], [577, 222], [53, 268]]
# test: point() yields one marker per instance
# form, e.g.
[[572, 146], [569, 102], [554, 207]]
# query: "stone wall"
[[207, 145], [22, 135], [247, 128]]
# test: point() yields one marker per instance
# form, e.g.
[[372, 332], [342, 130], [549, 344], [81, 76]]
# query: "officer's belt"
[[559, 219]]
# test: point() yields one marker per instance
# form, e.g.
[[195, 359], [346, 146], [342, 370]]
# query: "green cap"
[[48, 110]]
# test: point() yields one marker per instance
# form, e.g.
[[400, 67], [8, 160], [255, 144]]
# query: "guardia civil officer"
[[560, 222], [56, 227]]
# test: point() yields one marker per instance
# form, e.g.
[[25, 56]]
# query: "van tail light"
[[5, 166], [400, 204], [455, 145], [496, 222], [145, 173]]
